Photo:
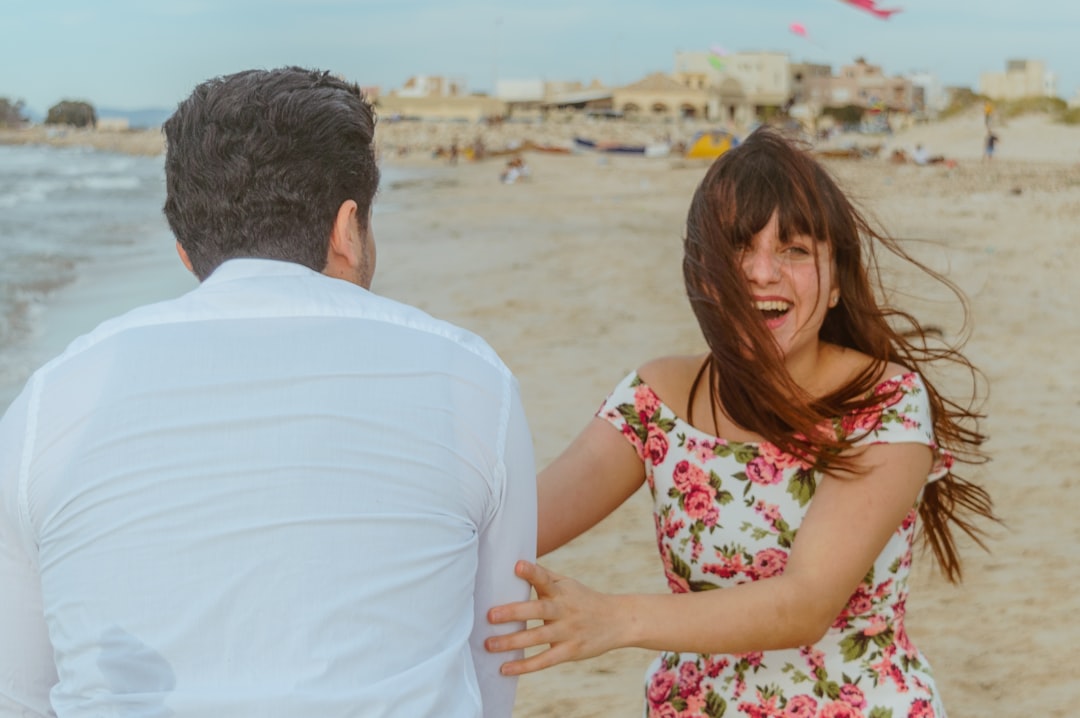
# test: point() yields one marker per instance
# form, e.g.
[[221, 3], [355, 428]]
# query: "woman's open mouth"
[[773, 310]]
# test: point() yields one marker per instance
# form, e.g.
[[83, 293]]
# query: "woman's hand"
[[578, 622]]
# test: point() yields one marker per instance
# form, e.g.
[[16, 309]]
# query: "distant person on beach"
[[921, 156], [989, 145], [280, 494], [515, 170], [791, 467]]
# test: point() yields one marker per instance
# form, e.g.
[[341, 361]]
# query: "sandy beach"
[[573, 275]]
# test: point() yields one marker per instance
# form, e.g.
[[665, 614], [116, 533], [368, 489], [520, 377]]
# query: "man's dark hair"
[[257, 164]]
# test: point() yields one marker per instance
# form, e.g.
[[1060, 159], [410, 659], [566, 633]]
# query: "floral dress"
[[726, 513]]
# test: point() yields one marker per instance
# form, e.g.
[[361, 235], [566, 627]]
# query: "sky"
[[136, 54]]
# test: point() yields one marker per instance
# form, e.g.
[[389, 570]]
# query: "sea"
[[82, 238]]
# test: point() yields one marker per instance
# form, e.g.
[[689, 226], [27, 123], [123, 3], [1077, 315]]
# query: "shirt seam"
[[29, 439]]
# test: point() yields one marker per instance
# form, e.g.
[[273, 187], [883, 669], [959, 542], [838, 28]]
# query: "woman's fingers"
[[542, 580], [535, 610], [518, 640]]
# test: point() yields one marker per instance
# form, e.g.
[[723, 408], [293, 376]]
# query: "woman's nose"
[[761, 266]]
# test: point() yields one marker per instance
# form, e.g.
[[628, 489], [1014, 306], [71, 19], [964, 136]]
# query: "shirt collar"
[[243, 268]]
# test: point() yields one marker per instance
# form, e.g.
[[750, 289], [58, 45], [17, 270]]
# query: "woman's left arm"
[[848, 524]]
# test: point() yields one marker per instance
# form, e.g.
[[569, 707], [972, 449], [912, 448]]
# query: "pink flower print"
[[853, 696], [910, 519], [695, 702], [839, 709], [633, 438], [675, 582], [645, 402], [815, 659], [696, 547], [686, 476], [883, 589], [909, 423], [769, 562], [689, 679], [672, 528], [728, 567], [876, 625], [762, 709], [921, 708], [892, 391], [714, 667], [753, 659], [886, 670], [859, 603], [663, 711], [803, 706], [656, 445], [704, 452], [699, 503], [904, 641], [769, 512], [779, 458], [660, 686], [861, 421], [762, 472]]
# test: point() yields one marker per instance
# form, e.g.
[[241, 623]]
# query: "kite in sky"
[[871, 7], [799, 29], [716, 56]]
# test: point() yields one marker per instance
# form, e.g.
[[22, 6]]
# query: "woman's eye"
[[797, 251]]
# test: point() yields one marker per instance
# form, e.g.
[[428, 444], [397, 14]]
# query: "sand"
[[574, 277]]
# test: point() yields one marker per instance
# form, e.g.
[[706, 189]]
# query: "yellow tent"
[[710, 145]]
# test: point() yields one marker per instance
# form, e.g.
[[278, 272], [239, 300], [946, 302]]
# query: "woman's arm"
[[590, 479], [846, 527]]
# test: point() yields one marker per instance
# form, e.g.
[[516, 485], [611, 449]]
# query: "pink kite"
[[871, 7], [798, 28]]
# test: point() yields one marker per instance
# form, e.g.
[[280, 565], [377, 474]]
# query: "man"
[[277, 495]]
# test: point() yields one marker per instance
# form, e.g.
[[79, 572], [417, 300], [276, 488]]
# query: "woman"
[[789, 467]]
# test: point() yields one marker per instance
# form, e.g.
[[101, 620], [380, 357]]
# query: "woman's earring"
[[834, 299]]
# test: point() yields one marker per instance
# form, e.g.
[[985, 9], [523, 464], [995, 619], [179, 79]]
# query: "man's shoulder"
[[381, 308]]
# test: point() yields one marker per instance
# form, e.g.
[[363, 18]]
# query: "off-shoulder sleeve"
[[623, 408], [903, 416]]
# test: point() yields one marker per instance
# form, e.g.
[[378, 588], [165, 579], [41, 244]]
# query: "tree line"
[[66, 112]]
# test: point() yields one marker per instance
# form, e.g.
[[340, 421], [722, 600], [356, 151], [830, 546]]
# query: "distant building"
[[660, 95], [1022, 78], [930, 96], [740, 86], [865, 85], [432, 86], [539, 98], [433, 97]]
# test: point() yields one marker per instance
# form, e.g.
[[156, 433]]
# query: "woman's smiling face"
[[792, 284]]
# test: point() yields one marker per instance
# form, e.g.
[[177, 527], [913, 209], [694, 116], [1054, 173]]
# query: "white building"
[[1022, 78]]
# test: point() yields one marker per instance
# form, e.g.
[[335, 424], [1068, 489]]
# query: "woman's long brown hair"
[[769, 174]]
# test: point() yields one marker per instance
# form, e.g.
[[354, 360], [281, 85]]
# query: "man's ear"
[[344, 247], [183, 256]]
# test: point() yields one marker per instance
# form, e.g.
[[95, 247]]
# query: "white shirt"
[[277, 495]]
